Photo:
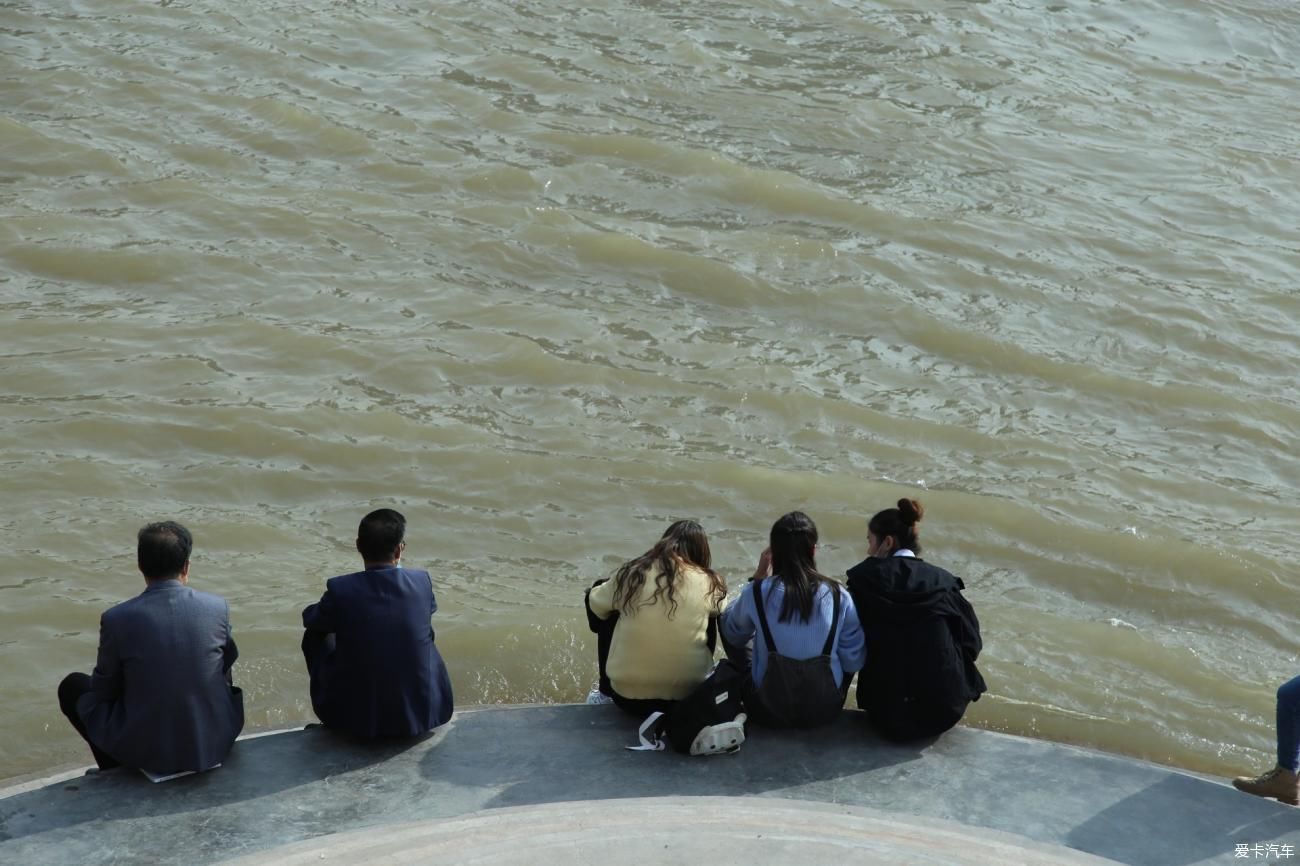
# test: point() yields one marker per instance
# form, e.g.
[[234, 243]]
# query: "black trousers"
[[316, 647], [904, 720], [73, 687]]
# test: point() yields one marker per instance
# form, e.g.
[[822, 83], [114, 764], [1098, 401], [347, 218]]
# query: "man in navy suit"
[[375, 671], [161, 697]]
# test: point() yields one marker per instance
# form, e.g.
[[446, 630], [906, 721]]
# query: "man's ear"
[[359, 546]]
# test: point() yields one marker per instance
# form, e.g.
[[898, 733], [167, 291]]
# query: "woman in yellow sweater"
[[656, 621]]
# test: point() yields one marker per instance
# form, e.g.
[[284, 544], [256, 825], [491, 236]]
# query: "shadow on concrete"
[[1152, 826], [257, 768], [536, 758]]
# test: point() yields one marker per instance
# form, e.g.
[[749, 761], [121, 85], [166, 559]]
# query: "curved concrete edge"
[[25, 782], [719, 830], [34, 782], [43, 778], [290, 787]]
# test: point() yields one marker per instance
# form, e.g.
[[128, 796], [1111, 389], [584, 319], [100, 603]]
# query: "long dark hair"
[[683, 543], [899, 524], [793, 542]]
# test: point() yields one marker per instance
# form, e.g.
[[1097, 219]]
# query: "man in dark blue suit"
[[375, 671], [160, 698]]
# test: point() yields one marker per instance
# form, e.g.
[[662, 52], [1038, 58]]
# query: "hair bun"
[[911, 511]]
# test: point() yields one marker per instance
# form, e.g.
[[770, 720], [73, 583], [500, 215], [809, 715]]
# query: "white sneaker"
[[721, 739], [596, 696]]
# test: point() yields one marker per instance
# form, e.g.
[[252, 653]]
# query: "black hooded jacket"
[[922, 638]]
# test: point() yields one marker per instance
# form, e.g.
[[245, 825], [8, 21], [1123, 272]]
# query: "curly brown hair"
[[683, 543]]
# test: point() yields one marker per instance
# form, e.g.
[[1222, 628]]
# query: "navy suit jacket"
[[160, 696], [384, 677]]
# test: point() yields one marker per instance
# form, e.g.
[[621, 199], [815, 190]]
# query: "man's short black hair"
[[162, 549], [379, 534]]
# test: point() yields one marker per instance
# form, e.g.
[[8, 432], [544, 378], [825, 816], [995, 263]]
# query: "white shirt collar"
[[904, 552]]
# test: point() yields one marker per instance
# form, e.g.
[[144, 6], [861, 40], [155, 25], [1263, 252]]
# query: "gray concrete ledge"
[[298, 786]]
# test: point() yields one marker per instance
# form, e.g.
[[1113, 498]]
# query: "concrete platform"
[[719, 831], [563, 789]]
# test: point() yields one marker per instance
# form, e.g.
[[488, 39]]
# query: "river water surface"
[[548, 275]]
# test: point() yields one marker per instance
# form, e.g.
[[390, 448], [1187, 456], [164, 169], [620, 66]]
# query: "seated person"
[[375, 671], [807, 642], [655, 621], [160, 698], [1281, 783], [922, 634]]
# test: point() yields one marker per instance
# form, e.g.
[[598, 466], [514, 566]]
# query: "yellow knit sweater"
[[652, 656]]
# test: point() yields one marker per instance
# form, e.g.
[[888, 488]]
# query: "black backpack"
[[708, 721], [797, 693]]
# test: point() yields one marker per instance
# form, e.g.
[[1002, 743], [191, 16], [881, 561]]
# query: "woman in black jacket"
[[922, 634]]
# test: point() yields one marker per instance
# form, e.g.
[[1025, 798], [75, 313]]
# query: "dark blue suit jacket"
[[160, 694], [384, 677]]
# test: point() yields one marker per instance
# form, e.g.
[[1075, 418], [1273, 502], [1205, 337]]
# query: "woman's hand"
[[764, 568]]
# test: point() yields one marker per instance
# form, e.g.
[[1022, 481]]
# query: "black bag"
[[797, 693], [708, 721]]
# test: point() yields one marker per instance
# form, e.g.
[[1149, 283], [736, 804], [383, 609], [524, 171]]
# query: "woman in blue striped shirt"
[[807, 641]]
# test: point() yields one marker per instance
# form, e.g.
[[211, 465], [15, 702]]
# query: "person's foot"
[[596, 696], [1278, 783]]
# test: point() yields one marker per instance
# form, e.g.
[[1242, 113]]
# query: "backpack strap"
[[835, 618], [762, 616], [651, 735]]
